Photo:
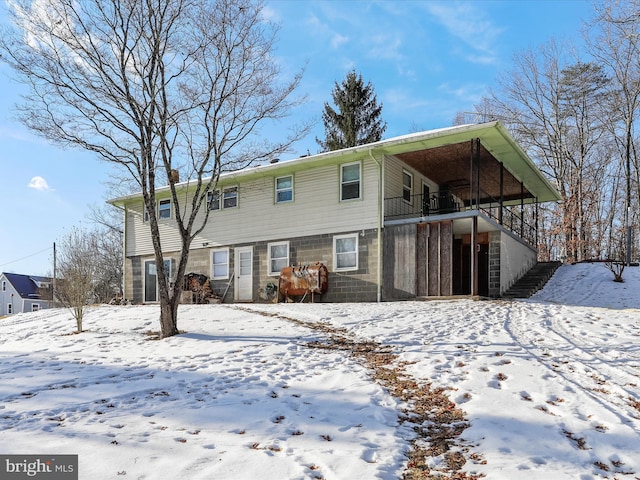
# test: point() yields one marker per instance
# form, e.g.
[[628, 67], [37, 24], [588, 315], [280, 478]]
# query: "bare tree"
[[76, 267], [154, 86], [615, 43], [107, 280], [616, 268], [555, 105], [108, 225]]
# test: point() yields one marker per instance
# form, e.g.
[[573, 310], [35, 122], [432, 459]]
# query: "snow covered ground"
[[550, 386]]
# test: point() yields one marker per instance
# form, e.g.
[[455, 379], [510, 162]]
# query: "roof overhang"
[[442, 155]]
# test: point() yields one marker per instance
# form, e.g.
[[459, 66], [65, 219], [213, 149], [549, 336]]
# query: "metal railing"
[[417, 206], [513, 221], [420, 206], [509, 217]]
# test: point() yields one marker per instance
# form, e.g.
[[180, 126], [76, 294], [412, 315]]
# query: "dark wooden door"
[[483, 269], [461, 267]]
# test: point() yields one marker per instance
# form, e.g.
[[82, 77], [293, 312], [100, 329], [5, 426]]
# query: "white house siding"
[[138, 238], [9, 296], [515, 259], [393, 168], [316, 209]]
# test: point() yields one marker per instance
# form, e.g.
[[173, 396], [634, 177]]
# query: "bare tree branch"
[[154, 86]]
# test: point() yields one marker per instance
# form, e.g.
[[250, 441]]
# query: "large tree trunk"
[[169, 315]]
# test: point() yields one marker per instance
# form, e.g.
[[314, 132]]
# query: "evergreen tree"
[[357, 119]]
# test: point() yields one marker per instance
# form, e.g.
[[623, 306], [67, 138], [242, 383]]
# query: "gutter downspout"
[[380, 224]]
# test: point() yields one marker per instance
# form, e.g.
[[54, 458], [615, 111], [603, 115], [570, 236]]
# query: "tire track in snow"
[[574, 359]]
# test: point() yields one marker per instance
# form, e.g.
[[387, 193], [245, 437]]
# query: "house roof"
[[27, 286], [442, 155]]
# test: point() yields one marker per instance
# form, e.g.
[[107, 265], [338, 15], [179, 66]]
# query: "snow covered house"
[[434, 213], [24, 293]]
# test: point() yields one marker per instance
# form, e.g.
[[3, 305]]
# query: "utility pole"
[[53, 290]]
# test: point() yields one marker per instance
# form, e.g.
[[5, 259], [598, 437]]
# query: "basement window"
[[220, 264], [278, 257], [345, 252]]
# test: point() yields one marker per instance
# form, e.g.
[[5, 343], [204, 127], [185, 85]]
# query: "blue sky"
[[427, 60]]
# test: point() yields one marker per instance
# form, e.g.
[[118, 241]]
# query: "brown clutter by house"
[[197, 289], [302, 280], [119, 300]]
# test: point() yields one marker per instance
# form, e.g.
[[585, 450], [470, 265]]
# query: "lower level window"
[[278, 257], [35, 307], [220, 264], [345, 252]]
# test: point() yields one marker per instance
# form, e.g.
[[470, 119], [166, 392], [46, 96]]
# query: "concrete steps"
[[533, 280]]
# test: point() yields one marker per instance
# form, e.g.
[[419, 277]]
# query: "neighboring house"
[[24, 293], [435, 213]]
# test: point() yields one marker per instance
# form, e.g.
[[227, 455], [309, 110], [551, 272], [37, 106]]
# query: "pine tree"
[[357, 119]]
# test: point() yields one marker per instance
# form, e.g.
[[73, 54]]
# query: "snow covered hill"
[[549, 387]]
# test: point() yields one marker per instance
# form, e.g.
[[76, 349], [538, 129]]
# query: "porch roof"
[[444, 156]]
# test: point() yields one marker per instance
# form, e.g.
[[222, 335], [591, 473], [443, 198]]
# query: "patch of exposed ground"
[[437, 451]]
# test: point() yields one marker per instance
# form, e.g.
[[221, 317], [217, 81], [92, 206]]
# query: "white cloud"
[[471, 26], [39, 183], [385, 47], [268, 14], [338, 40]]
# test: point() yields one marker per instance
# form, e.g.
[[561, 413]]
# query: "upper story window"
[[227, 199], [278, 257], [4, 286], [350, 181], [164, 209], [345, 252], [284, 189], [407, 186], [220, 264], [213, 200], [230, 197]]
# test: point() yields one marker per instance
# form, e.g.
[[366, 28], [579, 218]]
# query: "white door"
[[243, 274]]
